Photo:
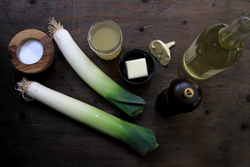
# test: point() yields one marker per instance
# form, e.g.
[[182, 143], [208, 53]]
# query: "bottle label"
[[211, 73], [190, 54]]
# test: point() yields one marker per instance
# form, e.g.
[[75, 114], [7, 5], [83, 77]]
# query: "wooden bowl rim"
[[19, 39]]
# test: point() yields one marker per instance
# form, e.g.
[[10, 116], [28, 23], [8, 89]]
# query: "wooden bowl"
[[17, 42]]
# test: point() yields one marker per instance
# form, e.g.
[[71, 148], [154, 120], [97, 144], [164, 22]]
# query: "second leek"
[[140, 139]]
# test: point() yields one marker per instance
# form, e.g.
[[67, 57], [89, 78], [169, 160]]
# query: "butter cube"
[[136, 68]]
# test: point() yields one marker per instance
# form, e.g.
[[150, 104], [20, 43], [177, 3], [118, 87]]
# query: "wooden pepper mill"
[[182, 96]]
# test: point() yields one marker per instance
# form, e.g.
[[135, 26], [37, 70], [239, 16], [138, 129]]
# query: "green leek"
[[127, 102], [140, 139]]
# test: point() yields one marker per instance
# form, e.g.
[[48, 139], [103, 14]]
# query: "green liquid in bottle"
[[216, 48], [208, 56]]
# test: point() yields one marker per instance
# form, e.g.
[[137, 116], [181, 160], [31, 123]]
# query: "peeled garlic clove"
[[161, 51]]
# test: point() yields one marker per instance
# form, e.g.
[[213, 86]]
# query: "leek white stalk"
[[140, 139], [92, 75]]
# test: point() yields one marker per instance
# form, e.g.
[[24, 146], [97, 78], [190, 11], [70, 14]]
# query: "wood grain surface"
[[216, 134]]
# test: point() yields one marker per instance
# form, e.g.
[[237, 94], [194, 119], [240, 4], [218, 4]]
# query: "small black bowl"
[[132, 55]]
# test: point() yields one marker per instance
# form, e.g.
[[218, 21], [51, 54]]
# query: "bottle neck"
[[232, 35]]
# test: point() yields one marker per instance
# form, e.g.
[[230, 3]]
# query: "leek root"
[[140, 139]]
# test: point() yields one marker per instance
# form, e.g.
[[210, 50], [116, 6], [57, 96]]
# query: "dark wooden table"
[[217, 133]]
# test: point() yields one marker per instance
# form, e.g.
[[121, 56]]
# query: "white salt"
[[31, 52]]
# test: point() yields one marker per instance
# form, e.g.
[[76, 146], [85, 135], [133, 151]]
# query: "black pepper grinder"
[[183, 95]]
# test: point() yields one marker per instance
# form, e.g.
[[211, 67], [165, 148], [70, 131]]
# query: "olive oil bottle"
[[216, 48]]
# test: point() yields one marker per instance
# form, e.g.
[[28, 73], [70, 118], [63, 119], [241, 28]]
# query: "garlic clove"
[[161, 51]]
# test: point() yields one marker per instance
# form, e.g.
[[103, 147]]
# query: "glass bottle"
[[216, 48]]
